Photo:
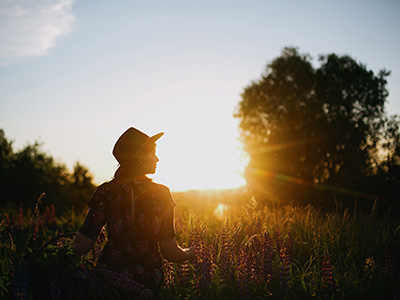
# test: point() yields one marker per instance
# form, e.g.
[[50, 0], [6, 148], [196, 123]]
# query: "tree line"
[[319, 132], [29, 172], [316, 133]]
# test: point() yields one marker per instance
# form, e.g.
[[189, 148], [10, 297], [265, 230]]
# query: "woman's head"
[[135, 152]]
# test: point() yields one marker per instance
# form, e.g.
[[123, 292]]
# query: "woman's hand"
[[172, 252], [190, 252], [82, 244]]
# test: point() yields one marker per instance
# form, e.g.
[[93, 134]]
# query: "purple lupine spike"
[[289, 248], [206, 268], [267, 256], [182, 274], [328, 282], [46, 216], [35, 231], [227, 256], [392, 258], [20, 285], [278, 240], [9, 221], [256, 258], [203, 272], [168, 268], [20, 218], [53, 218], [284, 272], [197, 261], [242, 277]]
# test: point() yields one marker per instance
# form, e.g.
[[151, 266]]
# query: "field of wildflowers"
[[248, 251]]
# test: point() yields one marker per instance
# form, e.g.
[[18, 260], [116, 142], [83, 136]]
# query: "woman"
[[139, 215]]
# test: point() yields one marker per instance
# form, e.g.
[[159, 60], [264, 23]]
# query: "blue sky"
[[75, 74]]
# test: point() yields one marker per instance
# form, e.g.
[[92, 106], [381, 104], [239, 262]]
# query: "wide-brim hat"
[[131, 143]]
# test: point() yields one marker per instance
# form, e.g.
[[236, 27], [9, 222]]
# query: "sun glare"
[[200, 148], [217, 164]]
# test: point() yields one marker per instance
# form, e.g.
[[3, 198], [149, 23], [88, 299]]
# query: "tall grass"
[[251, 252]]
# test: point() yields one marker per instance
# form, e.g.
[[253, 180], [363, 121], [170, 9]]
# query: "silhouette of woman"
[[139, 215]]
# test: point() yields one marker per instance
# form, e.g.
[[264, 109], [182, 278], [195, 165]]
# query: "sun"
[[217, 162], [200, 148]]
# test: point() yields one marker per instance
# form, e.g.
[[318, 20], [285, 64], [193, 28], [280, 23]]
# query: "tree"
[[34, 172], [313, 132], [82, 186], [6, 156], [26, 174]]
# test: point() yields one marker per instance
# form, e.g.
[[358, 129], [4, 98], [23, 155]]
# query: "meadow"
[[246, 250]]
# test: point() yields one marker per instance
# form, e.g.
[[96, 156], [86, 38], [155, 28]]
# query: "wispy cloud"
[[30, 28]]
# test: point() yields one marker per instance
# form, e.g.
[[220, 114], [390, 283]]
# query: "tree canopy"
[[26, 174], [317, 132]]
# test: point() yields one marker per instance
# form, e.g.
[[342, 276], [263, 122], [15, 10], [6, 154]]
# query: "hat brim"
[[155, 137]]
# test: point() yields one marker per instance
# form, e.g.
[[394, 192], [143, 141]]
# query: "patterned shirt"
[[132, 244]]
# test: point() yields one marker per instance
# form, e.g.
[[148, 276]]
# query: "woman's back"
[[132, 244]]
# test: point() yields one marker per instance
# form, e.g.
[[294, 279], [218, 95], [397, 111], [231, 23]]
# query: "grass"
[[249, 252]]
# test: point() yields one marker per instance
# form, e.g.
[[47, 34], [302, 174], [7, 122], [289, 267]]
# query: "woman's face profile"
[[149, 161]]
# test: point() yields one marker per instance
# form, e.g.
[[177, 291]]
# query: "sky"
[[74, 75]]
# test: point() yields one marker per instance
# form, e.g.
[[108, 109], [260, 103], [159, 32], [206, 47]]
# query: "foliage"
[[26, 174], [313, 132], [254, 252]]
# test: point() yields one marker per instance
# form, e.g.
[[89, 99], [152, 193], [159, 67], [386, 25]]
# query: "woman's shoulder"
[[161, 192], [158, 188], [107, 190], [111, 186]]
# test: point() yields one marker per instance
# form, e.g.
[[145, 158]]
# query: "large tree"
[[310, 129]]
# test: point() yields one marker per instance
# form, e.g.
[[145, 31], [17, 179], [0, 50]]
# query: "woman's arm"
[[82, 244], [174, 253]]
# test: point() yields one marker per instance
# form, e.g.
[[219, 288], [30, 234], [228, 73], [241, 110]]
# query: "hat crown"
[[129, 144]]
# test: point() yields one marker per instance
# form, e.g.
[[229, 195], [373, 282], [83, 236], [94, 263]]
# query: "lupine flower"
[[168, 268], [46, 216], [267, 253], [242, 277], [53, 218], [196, 241], [20, 218], [9, 220], [392, 258], [369, 266], [258, 275], [278, 241], [289, 248], [328, 282], [227, 256], [198, 264], [21, 282], [182, 274], [207, 267], [35, 230], [284, 271]]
